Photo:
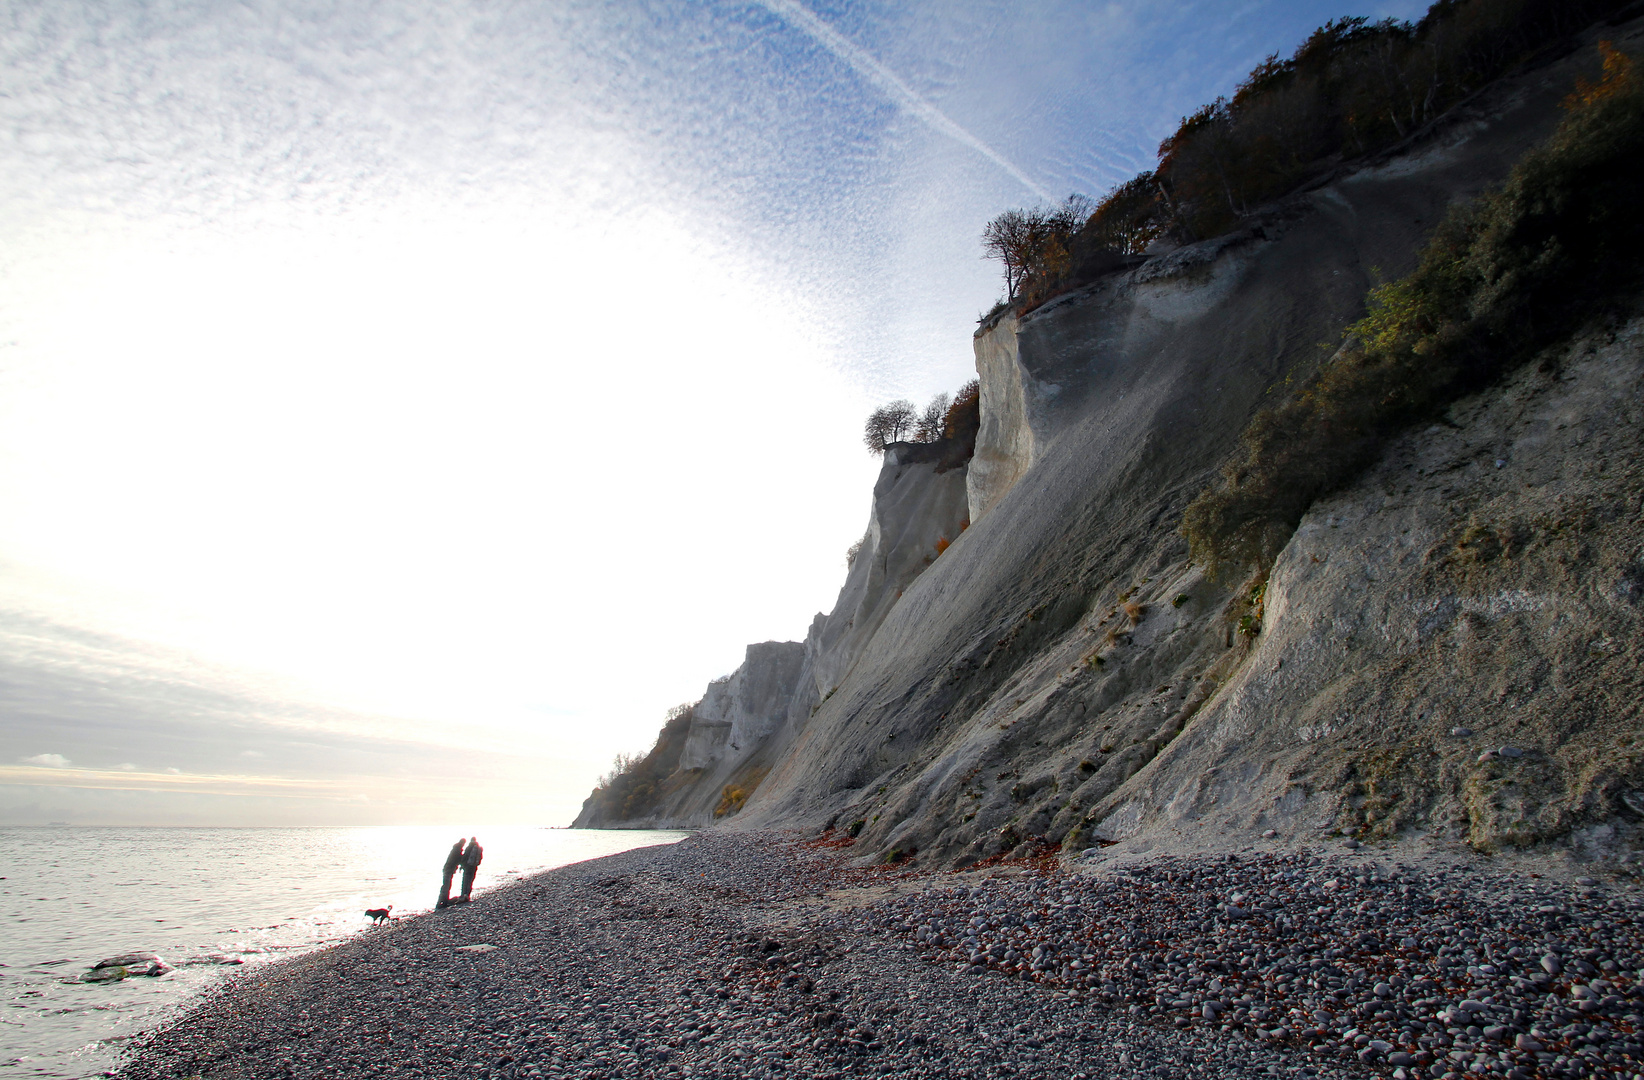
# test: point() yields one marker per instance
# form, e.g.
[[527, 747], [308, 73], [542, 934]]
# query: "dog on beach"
[[379, 915]]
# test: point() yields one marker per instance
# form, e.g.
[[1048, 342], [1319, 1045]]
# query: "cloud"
[[860, 61], [126, 766], [252, 754], [50, 761]]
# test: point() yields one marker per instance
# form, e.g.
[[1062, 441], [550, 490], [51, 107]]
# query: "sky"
[[402, 405]]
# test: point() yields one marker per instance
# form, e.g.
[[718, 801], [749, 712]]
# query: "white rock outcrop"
[[1004, 445], [739, 712]]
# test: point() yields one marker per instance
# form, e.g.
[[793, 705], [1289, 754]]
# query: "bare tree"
[[888, 424], [623, 765], [929, 426], [1010, 239], [1035, 243]]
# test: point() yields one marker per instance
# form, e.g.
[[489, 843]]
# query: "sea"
[[208, 902]]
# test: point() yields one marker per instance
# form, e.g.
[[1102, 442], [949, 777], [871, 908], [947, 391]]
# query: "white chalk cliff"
[[1061, 673], [919, 508]]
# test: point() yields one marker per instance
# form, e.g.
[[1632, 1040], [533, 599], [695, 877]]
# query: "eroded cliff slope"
[[1063, 674], [746, 721]]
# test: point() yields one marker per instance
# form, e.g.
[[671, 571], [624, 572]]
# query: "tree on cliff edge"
[[932, 420], [888, 424]]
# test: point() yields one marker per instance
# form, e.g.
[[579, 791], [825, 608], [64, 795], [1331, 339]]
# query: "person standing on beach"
[[452, 861], [470, 866]]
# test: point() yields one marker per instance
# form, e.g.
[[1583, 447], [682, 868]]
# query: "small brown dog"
[[379, 915]]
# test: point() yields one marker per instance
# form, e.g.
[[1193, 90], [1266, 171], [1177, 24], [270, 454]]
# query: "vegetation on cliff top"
[[952, 420], [636, 783], [1353, 88], [1504, 277]]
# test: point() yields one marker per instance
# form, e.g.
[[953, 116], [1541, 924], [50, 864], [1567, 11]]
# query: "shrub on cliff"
[[1352, 88], [1503, 277], [735, 794]]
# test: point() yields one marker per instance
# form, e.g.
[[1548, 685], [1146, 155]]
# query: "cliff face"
[[739, 712], [918, 510], [1063, 673], [746, 721]]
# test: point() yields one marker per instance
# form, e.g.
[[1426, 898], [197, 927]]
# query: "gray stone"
[[138, 964]]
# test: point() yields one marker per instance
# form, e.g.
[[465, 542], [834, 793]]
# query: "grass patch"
[[1517, 270]]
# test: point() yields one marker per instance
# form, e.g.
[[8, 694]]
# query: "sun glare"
[[407, 461]]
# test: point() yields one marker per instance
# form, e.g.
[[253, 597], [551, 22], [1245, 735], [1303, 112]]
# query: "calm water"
[[202, 898]]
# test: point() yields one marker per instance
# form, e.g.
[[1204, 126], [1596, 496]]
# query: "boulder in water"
[[128, 964]]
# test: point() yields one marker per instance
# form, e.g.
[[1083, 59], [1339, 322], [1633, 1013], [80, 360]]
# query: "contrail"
[[881, 76]]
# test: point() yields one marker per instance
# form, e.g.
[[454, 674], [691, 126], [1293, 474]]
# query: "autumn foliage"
[[1354, 87], [1514, 272]]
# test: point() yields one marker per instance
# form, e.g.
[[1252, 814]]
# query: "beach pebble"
[[750, 955]]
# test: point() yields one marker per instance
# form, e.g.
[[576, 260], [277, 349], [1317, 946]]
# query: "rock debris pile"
[[759, 956]]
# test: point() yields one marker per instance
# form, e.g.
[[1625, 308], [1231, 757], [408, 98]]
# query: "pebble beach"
[[759, 955]]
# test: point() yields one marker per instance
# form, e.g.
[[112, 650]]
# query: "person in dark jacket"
[[470, 866], [452, 861]]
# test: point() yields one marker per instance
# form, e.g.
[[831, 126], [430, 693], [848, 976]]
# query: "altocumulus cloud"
[[50, 761]]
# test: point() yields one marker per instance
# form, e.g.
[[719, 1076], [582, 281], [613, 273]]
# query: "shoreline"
[[755, 955]]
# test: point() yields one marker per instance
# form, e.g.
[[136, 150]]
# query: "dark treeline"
[[638, 782], [1353, 87]]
